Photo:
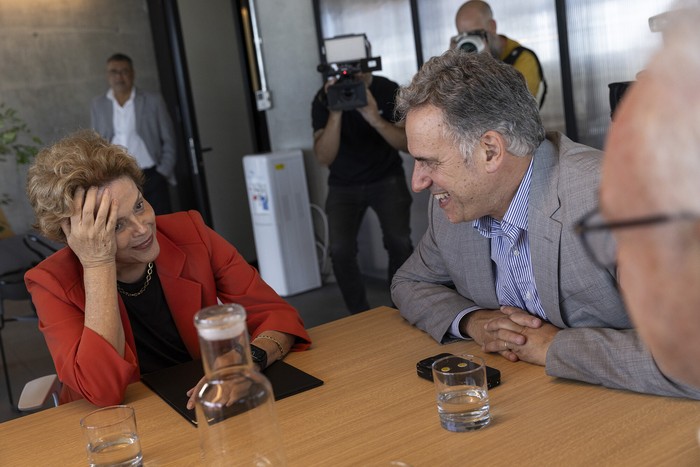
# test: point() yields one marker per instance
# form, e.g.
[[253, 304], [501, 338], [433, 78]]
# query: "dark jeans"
[[345, 208], [157, 192]]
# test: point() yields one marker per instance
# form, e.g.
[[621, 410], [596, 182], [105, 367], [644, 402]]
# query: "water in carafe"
[[236, 416]]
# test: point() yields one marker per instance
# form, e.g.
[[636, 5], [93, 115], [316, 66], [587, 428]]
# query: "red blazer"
[[195, 266]]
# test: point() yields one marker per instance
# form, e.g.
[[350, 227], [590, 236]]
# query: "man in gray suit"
[[500, 262], [139, 121]]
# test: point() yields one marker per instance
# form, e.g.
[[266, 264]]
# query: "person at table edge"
[[120, 300], [650, 195], [500, 261]]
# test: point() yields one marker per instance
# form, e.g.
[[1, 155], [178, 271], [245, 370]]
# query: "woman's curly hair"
[[82, 159]]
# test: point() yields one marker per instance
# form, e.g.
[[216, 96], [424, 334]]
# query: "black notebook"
[[172, 384]]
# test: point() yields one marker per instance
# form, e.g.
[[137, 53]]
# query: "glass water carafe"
[[236, 417]]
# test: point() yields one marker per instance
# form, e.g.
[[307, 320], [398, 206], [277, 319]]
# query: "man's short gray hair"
[[476, 93]]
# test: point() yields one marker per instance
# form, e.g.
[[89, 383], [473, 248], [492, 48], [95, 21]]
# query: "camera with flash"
[[471, 41], [344, 57]]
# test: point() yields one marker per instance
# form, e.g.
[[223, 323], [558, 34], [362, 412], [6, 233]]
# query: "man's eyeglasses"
[[595, 233], [121, 72]]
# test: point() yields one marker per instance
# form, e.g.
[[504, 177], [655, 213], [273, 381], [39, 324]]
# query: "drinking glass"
[[112, 439], [461, 391]]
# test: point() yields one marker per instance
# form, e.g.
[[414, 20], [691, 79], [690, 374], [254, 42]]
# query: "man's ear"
[[491, 26], [494, 148]]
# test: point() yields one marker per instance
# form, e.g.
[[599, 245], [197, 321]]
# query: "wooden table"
[[373, 409]]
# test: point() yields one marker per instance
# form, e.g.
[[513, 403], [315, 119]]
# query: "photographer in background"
[[476, 30], [361, 147]]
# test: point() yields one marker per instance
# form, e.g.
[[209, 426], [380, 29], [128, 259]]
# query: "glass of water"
[[461, 390], [111, 437]]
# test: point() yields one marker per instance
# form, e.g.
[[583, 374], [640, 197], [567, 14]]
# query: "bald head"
[[476, 15], [473, 15], [651, 167]]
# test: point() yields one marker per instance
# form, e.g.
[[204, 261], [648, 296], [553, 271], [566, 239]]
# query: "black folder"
[[172, 383]]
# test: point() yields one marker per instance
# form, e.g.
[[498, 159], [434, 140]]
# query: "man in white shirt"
[[139, 121]]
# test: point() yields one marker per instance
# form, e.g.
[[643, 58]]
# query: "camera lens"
[[471, 43], [468, 47], [348, 94]]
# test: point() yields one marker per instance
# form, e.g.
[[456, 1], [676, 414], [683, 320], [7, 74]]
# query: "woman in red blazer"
[[121, 298]]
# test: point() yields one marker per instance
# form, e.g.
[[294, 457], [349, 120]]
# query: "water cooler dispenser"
[[281, 214]]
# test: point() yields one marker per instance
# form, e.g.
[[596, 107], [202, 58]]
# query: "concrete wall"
[[53, 57], [52, 62], [290, 54]]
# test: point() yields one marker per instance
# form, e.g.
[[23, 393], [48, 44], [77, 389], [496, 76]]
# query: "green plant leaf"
[[9, 136], [16, 141]]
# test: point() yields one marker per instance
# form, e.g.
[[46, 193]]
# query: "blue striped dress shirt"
[[510, 252]]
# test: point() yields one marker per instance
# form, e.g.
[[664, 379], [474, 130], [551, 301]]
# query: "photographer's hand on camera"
[[327, 139], [393, 134], [370, 112], [330, 81]]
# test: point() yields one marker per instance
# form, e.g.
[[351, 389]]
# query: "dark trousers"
[[156, 191], [345, 208]]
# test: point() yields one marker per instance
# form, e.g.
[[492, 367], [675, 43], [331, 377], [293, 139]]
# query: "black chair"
[[617, 90], [12, 285]]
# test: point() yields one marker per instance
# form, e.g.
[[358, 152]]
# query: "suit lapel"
[[479, 268], [138, 110], [467, 256], [182, 295], [544, 229], [108, 112]]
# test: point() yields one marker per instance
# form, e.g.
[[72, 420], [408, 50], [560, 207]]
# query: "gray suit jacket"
[[153, 124], [451, 270]]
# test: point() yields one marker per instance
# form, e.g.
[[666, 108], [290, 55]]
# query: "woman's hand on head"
[[90, 230]]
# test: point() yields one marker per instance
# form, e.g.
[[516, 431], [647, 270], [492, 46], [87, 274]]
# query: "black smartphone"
[[424, 368]]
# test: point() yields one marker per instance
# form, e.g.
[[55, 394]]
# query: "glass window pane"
[[532, 23], [388, 27]]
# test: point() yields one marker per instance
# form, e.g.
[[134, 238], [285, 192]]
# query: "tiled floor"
[[28, 357]]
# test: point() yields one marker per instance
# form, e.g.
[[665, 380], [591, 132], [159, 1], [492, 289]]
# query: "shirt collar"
[[515, 217], [110, 95]]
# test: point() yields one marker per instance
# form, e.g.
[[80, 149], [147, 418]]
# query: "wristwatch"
[[259, 356]]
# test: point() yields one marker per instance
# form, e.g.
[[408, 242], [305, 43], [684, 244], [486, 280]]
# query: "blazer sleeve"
[[423, 289], [238, 282], [599, 344], [613, 358], [101, 117], [93, 115], [86, 363], [166, 165]]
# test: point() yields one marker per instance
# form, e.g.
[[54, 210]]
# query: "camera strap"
[[513, 57]]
